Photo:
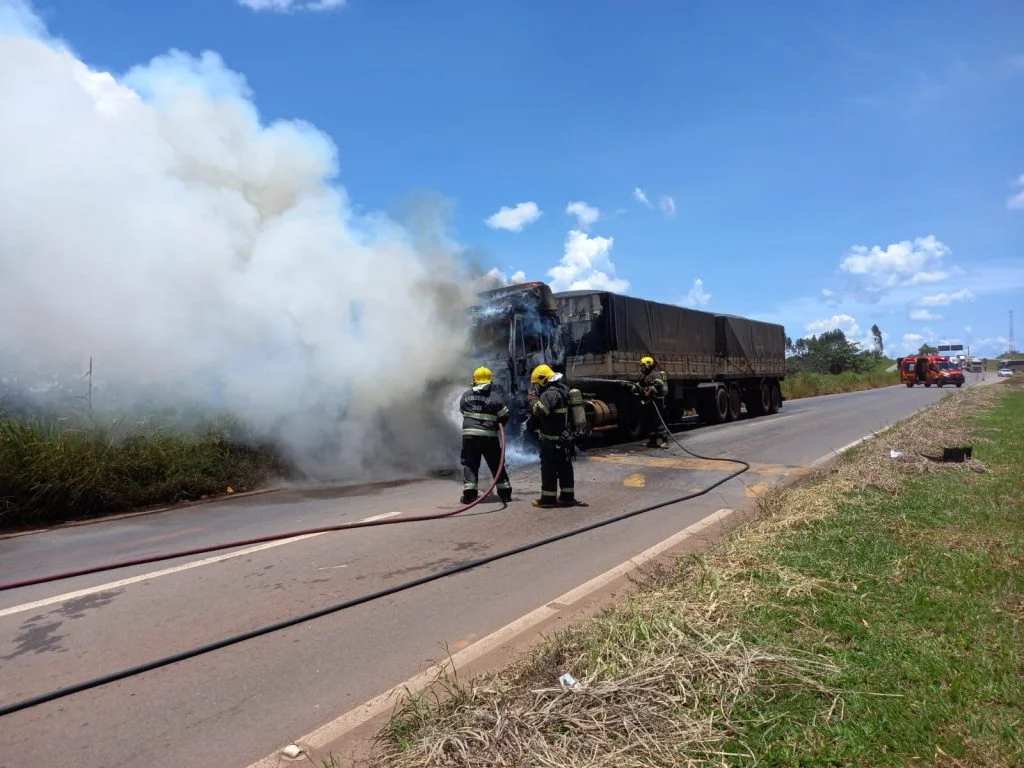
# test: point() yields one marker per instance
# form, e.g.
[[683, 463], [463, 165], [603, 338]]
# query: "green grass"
[[871, 616], [813, 384], [924, 618], [55, 470]]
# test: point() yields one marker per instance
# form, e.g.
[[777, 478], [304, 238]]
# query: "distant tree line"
[[832, 352]]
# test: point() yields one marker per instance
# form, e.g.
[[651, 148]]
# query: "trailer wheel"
[[721, 405], [713, 407], [776, 397], [759, 399], [733, 411]]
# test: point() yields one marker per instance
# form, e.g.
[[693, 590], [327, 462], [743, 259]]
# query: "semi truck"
[[717, 364]]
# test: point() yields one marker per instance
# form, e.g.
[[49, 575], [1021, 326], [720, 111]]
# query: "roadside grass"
[[813, 384], [54, 470], [872, 615]]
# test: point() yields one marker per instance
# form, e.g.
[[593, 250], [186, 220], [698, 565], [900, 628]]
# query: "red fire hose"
[[260, 539]]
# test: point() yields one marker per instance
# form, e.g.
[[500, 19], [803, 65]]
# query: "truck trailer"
[[716, 364]]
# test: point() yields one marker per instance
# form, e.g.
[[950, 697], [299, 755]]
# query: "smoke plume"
[[153, 222]]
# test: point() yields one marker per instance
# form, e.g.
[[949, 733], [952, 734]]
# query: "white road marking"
[[337, 728], [385, 516], [352, 719], [35, 605]]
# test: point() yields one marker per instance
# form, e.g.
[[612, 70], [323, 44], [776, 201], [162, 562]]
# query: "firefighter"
[[549, 418], [652, 390], [483, 410]]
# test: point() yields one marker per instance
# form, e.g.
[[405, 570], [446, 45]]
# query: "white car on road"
[[1002, 372]]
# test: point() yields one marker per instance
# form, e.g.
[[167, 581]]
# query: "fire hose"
[[337, 608]]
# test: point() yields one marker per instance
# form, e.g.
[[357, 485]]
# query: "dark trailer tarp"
[[598, 322], [749, 339]]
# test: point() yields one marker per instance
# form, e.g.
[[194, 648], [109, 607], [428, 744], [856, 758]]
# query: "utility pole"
[[1011, 347]]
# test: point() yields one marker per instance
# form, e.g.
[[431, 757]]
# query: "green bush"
[[53, 470], [814, 384]]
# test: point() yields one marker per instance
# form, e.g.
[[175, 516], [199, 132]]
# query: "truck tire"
[[714, 408], [733, 411], [759, 400], [721, 405], [776, 397], [910, 385]]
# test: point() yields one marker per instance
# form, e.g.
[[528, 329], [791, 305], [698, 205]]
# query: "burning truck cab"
[[515, 329]]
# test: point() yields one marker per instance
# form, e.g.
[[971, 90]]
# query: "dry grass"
[[652, 690], [661, 674]]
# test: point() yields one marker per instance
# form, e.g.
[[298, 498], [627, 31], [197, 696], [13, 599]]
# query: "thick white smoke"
[[152, 221]]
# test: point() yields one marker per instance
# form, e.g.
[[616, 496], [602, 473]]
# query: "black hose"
[[300, 619], [145, 559]]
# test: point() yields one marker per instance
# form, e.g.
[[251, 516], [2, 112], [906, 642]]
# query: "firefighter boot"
[[505, 494], [469, 496]]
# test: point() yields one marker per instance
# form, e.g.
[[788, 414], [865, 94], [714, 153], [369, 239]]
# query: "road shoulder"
[[690, 625]]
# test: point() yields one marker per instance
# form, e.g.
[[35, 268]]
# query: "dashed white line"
[[35, 605]]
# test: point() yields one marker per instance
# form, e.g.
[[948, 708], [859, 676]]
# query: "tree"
[[928, 349], [879, 343], [831, 352]]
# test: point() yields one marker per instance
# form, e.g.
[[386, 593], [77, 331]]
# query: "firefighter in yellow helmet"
[[549, 418], [483, 409], [652, 389]]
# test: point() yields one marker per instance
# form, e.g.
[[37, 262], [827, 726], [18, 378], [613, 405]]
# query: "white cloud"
[[641, 197], [585, 214], [924, 314], [495, 278], [944, 299], [829, 297], [586, 265], [668, 205], [514, 219], [696, 296], [901, 264], [287, 6], [995, 344], [1016, 202], [843, 322]]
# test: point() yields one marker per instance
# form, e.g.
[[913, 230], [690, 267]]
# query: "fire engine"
[[931, 369]]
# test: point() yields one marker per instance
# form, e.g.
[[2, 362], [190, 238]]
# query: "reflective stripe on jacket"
[[551, 411], [483, 410]]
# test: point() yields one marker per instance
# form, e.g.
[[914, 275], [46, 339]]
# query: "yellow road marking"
[[699, 465], [635, 480], [757, 490]]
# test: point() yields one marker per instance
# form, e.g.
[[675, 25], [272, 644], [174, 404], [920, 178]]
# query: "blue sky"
[[815, 164]]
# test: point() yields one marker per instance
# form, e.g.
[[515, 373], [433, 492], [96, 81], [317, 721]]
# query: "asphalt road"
[[235, 706]]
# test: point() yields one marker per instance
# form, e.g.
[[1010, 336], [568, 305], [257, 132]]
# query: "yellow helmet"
[[647, 361], [482, 375], [541, 374]]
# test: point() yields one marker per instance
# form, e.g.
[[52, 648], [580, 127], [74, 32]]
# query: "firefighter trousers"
[[556, 473], [474, 448], [656, 432]]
